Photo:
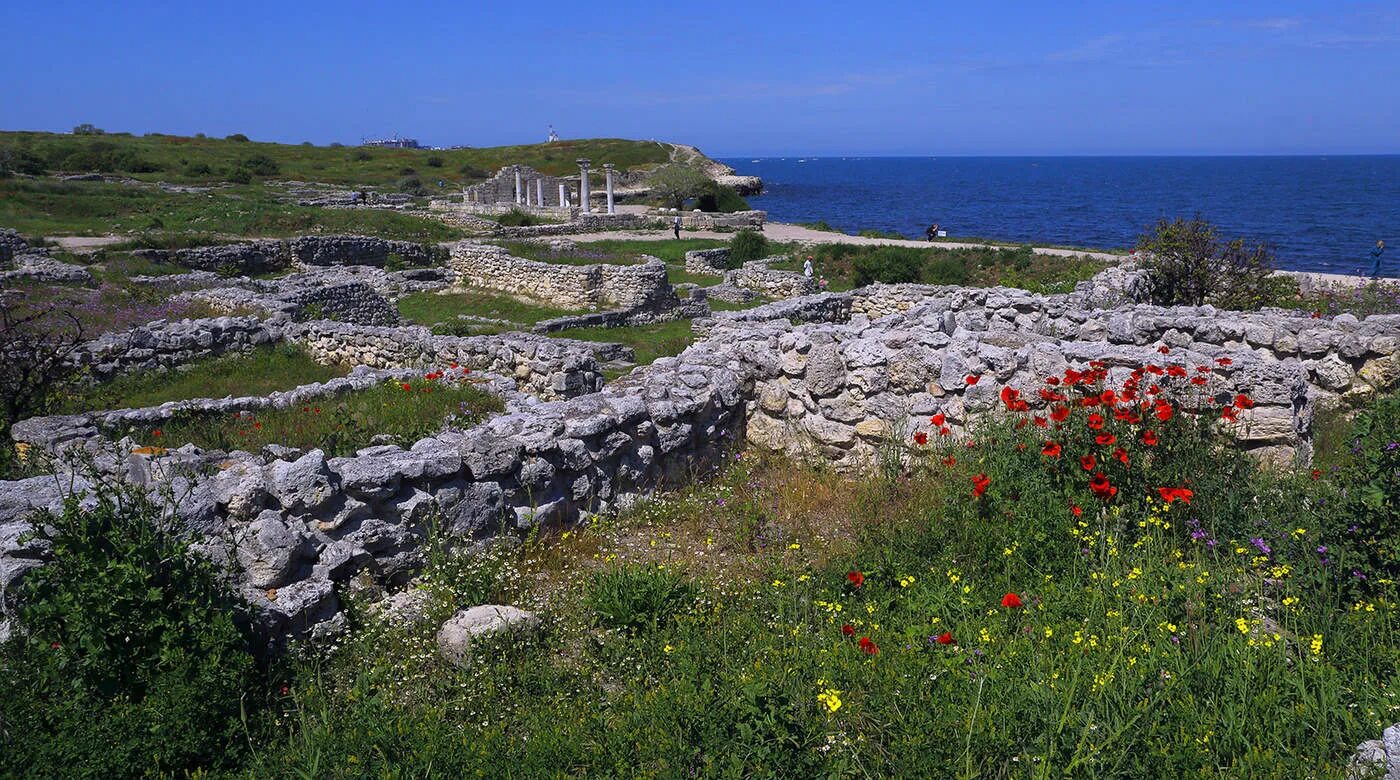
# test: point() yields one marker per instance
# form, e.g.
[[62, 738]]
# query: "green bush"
[[516, 218], [410, 184], [130, 660], [721, 199], [747, 245], [260, 165], [239, 137], [1191, 265], [888, 264], [14, 159], [873, 233], [434, 161], [632, 598]]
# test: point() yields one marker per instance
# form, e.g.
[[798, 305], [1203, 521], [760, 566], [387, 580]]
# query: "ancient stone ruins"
[[843, 377]]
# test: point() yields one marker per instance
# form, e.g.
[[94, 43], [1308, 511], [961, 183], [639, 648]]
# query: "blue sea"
[[1319, 213]]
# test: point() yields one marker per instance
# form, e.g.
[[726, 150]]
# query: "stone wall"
[[771, 284], [583, 223], [592, 286], [11, 244], [165, 344], [260, 256], [356, 250], [707, 261], [713, 220], [501, 188], [37, 265], [685, 309]]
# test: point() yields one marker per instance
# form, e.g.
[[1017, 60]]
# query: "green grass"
[[428, 308], [728, 306], [179, 158], [42, 207], [648, 341], [339, 426], [259, 372], [672, 251]]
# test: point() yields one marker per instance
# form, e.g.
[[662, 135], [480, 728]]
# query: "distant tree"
[[307, 143], [675, 184], [1189, 264], [239, 137], [260, 165], [15, 160], [87, 128], [434, 161], [337, 145], [34, 347]]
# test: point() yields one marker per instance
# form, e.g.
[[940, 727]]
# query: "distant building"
[[391, 143], [553, 136]]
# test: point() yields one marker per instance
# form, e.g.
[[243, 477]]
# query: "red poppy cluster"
[[855, 578], [980, 483]]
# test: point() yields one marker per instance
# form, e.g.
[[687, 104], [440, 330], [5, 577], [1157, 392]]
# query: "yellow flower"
[[831, 699], [668, 649], [1316, 644], [985, 636], [906, 581], [1300, 531], [794, 546], [1049, 632], [1289, 601], [1242, 625], [778, 583]]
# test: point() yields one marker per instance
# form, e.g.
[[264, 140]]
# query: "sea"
[[1319, 213]]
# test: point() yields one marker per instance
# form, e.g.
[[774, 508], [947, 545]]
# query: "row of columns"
[[522, 190]]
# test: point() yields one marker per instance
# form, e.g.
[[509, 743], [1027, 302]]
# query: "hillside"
[[193, 160]]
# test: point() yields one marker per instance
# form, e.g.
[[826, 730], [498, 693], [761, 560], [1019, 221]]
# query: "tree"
[[675, 184], [35, 348], [87, 128], [1191, 265]]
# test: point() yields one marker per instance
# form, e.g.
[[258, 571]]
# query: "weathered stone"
[[469, 627]]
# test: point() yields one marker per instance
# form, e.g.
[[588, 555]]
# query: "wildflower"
[[1172, 494], [937, 420], [1076, 510], [1087, 462], [830, 699], [1096, 421], [1011, 601], [950, 460], [1260, 545], [1163, 411], [972, 379], [1316, 644], [945, 638], [406, 387], [1149, 437], [1121, 455], [1228, 414], [980, 483], [920, 438], [668, 649], [1100, 487], [1176, 371], [848, 630], [1059, 413], [1316, 474], [156, 432], [1041, 422], [855, 578], [1164, 349], [1050, 450], [1244, 402], [1242, 625], [867, 646], [906, 581], [1198, 380], [1224, 361], [1105, 439]]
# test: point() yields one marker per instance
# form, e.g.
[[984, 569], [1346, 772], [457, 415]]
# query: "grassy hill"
[[181, 159]]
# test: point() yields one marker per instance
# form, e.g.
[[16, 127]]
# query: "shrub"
[[410, 184], [890, 264], [337, 145], [15, 160], [238, 137], [674, 184], [1190, 264], [747, 245], [516, 218], [473, 172], [239, 176], [632, 598], [34, 347], [360, 155], [87, 128], [198, 169], [129, 660], [434, 161], [721, 199], [259, 165], [873, 233]]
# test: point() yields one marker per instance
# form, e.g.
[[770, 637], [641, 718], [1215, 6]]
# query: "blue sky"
[[753, 78]]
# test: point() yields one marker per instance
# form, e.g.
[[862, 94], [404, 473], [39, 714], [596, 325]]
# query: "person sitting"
[[932, 232]]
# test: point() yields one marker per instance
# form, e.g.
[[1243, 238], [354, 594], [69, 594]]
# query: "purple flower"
[[1260, 545], [1322, 550]]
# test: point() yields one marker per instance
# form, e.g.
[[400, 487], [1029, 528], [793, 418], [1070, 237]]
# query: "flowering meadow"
[[1095, 584]]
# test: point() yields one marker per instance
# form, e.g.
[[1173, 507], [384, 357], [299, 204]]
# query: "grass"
[[648, 341], [43, 207], [259, 372], [340, 426], [111, 306], [205, 160], [432, 309]]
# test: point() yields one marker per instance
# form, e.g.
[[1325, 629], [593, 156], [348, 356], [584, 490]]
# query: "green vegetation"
[[172, 158], [518, 218], [132, 663], [747, 245], [822, 225], [670, 250], [259, 372], [846, 266], [1191, 265], [94, 208], [648, 341], [442, 309], [1381, 297], [889, 234], [404, 412]]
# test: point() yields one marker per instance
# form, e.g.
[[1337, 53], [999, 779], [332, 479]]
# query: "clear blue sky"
[[755, 78]]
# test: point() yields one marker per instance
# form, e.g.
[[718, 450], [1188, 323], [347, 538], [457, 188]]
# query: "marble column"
[[608, 168], [583, 192], [539, 192], [563, 196], [519, 190]]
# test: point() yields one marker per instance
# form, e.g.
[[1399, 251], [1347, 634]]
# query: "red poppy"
[[980, 483], [405, 387], [1164, 349], [855, 578], [1176, 371], [1121, 455], [920, 438], [848, 629], [1228, 414], [945, 638], [1108, 396], [1105, 439], [454, 365], [950, 460], [937, 419], [1224, 361], [1009, 397], [1155, 370], [1244, 402], [1089, 401], [1011, 601], [1198, 380], [1149, 437], [1059, 413], [1172, 494], [868, 647], [1317, 473], [156, 432], [944, 431], [1154, 389], [1317, 315], [1163, 411], [1076, 510], [1087, 463], [1041, 422], [1052, 380], [1100, 487], [1050, 450], [1096, 422], [972, 379], [316, 410], [1203, 369]]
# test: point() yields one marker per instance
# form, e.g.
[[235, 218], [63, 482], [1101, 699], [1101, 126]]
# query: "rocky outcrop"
[[11, 244], [458, 636], [36, 265]]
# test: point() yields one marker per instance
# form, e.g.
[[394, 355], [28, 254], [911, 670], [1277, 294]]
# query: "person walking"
[[807, 267], [676, 226], [1376, 259]]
